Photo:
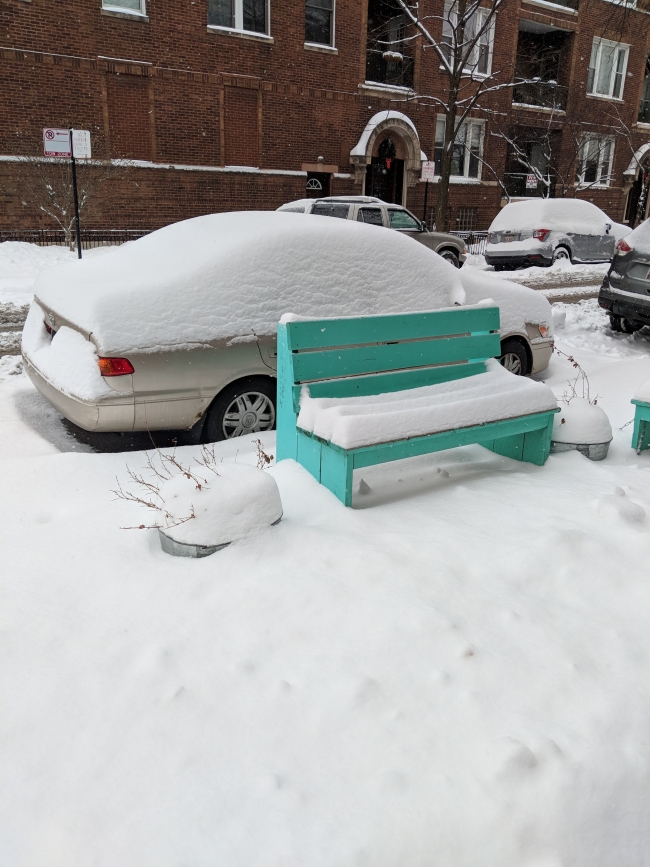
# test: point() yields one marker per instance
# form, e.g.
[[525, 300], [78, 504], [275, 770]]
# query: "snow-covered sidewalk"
[[453, 672]]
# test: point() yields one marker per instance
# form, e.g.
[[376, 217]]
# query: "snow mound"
[[517, 304], [236, 501], [212, 278], [569, 215], [643, 392], [618, 506], [68, 361], [353, 422], [581, 422]]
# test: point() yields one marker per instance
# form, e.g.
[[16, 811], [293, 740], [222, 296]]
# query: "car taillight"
[[115, 366], [543, 330], [541, 234], [622, 247]]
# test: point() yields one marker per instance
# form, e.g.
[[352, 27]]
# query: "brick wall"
[[167, 90]]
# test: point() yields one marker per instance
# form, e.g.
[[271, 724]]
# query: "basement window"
[[248, 16]]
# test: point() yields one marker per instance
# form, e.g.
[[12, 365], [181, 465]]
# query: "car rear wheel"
[[615, 322], [514, 357], [561, 254], [245, 407], [629, 326], [451, 257]]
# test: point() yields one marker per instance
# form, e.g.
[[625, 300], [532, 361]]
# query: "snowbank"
[[68, 361], [216, 277], [362, 421], [517, 304], [568, 215], [234, 501]]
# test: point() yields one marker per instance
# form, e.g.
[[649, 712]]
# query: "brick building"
[[235, 104]]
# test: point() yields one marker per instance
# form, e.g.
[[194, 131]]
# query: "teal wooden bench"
[[641, 432], [381, 355]]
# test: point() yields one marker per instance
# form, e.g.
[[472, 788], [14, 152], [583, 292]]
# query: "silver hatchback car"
[[367, 209]]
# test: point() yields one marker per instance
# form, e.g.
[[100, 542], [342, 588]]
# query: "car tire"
[[451, 257], [629, 326], [244, 407], [499, 267], [615, 322], [561, 254], [514, 357]]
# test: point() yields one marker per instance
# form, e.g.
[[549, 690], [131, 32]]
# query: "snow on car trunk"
[[569, 215], [517, 304], [212, 278]]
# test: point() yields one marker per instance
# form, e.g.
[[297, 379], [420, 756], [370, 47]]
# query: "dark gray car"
[[625, 292]]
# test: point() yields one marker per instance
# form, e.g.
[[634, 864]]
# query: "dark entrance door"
[[385, 175]]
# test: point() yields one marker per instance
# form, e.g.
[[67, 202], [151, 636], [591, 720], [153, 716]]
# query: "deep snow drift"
[[453, 672]]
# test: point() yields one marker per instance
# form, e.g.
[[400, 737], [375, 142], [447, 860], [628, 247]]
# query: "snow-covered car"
[[368, 209], [625, 292], [178, 329], [543, 231]]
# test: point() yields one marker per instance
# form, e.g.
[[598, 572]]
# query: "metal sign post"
[[428, 174], [73, 143]]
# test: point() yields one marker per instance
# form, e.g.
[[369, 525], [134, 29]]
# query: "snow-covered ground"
[[559, 275], [453, 672]]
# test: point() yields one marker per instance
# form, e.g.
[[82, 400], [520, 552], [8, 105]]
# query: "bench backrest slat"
[[321, 334], [379, 358]]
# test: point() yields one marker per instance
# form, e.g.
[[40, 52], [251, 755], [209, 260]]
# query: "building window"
[[607, 68], [468, 148], [319, 22], [644, 105], [466, 219], [135, 7], [595, 160], [479, 29], [390, 51], [249, 15], [318, 185]]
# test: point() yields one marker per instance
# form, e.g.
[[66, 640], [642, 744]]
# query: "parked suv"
[[625, 292], [367, 209]]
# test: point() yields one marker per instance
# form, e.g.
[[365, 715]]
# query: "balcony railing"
[[644, 111], [389, 67], [516, 184], [543, 94]]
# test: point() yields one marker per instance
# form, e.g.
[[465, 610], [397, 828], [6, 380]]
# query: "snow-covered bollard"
[[236, 501], [582, 426]]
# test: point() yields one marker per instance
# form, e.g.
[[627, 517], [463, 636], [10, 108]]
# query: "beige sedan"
[[177, 332]]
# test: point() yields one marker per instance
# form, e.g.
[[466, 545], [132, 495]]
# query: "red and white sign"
[[428, 171], [56, 142], [531, 182]]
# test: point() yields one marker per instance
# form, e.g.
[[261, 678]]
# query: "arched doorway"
[[387, 158]]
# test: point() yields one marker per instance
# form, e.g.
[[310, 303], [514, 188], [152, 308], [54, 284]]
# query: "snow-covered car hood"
[[517, 304], [222, 276]]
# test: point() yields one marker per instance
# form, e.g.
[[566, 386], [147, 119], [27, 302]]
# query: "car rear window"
[[331, 209], [370, 215], [403, 220], [298, 210]]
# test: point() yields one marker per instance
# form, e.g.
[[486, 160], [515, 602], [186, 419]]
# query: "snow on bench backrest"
[[377, 354]]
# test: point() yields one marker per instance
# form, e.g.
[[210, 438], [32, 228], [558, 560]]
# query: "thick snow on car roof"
[[569, 215], [224, 276]]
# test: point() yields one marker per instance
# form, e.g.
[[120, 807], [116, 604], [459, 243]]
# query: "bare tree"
[[46, 184]]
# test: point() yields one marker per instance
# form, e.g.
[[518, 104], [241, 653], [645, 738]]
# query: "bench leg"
[[533, 447], [336, 473], [641, 433]]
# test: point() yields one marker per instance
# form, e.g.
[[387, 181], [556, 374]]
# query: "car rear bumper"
[[629, 305], [112, 414], [518, 260]]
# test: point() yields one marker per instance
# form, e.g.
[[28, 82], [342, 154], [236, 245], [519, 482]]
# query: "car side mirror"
[[608, 228], [423, 226]]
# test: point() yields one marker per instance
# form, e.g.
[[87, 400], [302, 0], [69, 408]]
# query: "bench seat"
[[355, 422]]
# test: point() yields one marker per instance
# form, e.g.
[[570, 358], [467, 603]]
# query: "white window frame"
[[332, 42], [605, 162], [125, 10], [594, 64], [449, 23], [239, 21], [441, 122]]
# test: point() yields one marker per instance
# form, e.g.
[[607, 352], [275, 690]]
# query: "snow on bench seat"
[[355, 422]]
